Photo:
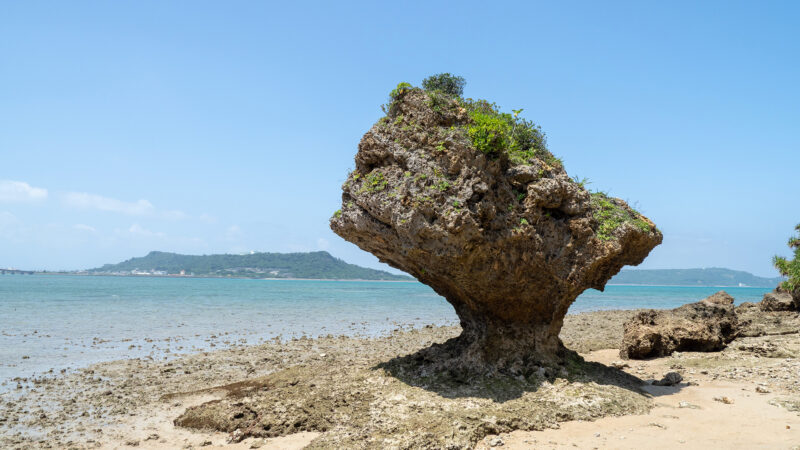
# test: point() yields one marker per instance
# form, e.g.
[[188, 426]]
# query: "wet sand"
[[133, 403]]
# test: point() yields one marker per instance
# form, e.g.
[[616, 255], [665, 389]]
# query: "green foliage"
[[374, 182], [446, 83], [611, 216], [790, 267], [442, 185], [523, 221], [582, 182], [488, 133], [338, 213], [493, 132], [439, 101], [396, 92]]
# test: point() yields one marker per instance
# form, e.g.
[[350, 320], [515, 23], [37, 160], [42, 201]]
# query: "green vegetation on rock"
[[375, 182], [491, 132], [790, 267], [610, 216], [494, 132], [507, 133], [446, 83], [401, 87], [500, 134]]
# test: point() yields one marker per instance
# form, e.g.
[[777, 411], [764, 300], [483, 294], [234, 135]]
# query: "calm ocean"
[[59, 322]]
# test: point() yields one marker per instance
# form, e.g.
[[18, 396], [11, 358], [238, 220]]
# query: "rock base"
[[358, 402], [492, 347]]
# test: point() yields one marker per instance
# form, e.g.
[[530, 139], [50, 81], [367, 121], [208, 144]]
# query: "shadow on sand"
[[415, 370]]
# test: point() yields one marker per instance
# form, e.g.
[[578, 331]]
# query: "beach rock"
[[670, 379], [779, 300], [509, 244], [496, 442], [707, 325], [619, 365]]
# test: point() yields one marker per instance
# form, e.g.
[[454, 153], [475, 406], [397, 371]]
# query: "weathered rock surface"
[[754, 322], [779, 300], [704, 326], [510, 246]]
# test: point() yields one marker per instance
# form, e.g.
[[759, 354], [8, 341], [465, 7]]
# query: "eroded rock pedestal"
[[509, 244]]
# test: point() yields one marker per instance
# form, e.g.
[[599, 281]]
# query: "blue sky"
[[205, 127]]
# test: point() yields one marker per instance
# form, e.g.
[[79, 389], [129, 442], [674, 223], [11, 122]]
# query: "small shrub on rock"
[[790, 267], [446, 83]]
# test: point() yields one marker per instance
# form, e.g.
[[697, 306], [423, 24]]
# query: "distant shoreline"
[[215, 277], [358, 279], [691, 285]]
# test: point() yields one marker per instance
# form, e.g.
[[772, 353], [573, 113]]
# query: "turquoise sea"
[[65, 322]]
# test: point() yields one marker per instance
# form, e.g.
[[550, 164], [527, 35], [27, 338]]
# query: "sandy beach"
[[746, 396]]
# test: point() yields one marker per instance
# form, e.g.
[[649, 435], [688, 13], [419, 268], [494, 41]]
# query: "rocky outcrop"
[[508, 239], [780, 300], [705, 326]]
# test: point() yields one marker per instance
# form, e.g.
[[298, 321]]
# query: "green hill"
[[693, 277], [255, 265]]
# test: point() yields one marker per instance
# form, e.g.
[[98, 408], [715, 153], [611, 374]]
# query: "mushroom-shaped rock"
[[470, 202]]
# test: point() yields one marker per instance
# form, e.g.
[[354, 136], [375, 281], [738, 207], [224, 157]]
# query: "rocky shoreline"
[[352, 392]]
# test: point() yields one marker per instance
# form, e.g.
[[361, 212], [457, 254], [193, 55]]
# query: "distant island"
[[322, 265], [316, 265], [693, 277]]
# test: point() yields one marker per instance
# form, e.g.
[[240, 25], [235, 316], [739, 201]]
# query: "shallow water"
[[60, 322]]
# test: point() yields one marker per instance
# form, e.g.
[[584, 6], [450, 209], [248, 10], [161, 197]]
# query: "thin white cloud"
[[139, 208], [207, 218], [85, 200], [174, 215], [82, 227], [138, 235], [138, 230], [19, 191]]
